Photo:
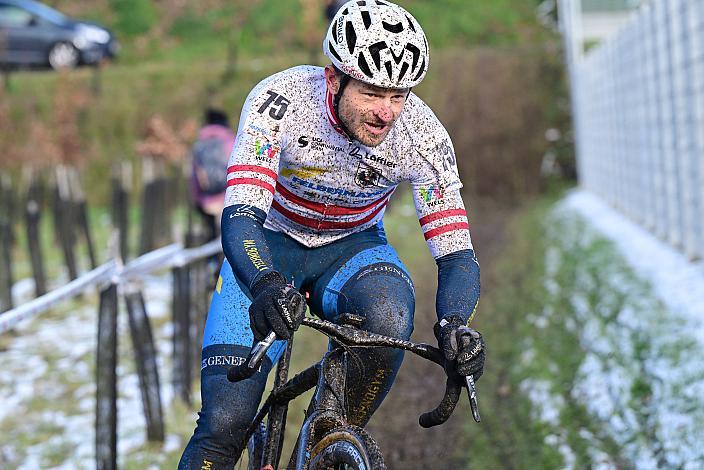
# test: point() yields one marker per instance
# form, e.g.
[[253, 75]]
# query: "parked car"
[[35, 35]]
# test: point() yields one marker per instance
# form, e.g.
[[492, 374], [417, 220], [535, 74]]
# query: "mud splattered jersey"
[[317, 186]]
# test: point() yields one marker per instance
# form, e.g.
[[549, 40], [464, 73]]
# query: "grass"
[[580, 370]]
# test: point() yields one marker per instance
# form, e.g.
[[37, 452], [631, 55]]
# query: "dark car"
[[33, 34]]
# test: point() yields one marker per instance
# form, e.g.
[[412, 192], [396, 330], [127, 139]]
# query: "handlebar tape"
[[443, 411]]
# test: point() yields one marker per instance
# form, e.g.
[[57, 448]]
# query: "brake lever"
[[257, 353], [251, 364], [472, 392]]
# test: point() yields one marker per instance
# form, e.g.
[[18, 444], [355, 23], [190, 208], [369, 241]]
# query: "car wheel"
[[63, 56]]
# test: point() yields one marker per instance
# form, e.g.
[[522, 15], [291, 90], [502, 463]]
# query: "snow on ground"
[[678, 283], [637, 307], [47, 382]]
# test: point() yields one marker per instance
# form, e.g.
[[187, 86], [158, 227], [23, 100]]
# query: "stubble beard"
[[354, 122]]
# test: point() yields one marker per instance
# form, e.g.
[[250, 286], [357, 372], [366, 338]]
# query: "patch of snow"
[[679, 283]]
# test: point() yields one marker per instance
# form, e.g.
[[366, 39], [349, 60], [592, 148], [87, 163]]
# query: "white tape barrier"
[[189, 255], [168, 257], [148, 262], [100, 275]]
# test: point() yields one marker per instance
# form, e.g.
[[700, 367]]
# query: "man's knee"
[[385, 299], [227, 412]]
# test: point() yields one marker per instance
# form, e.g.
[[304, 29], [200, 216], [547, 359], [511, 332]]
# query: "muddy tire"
[[346, 448]]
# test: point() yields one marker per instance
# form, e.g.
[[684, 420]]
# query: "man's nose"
[[383, 111]]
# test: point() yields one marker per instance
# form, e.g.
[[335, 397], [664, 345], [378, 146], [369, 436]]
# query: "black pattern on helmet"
[[378, 42]]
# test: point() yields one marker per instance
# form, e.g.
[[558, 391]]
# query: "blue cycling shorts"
[[320, 272]]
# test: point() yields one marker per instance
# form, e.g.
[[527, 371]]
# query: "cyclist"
[[319, 152]]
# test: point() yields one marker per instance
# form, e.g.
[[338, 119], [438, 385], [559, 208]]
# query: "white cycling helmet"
[[379, 43]]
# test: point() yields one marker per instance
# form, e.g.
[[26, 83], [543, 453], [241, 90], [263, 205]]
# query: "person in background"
[[331, 7], [209, 157]]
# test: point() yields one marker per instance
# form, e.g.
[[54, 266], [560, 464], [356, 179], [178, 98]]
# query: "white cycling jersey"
[[317, 186]]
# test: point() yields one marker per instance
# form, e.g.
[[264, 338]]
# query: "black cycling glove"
[[276, 306], [462, 346]]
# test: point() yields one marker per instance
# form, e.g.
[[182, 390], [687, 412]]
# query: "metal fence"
[[638, 106]]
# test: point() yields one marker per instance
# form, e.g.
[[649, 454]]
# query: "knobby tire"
[[346, 448]]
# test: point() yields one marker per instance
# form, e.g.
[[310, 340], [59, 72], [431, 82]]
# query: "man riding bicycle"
[[319, 152]]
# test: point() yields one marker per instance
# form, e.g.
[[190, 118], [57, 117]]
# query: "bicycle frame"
[[327, 408]]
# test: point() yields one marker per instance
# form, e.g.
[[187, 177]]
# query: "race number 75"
[[276, 104]]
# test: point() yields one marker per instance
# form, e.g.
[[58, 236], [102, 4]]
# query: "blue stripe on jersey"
[[378, 254]]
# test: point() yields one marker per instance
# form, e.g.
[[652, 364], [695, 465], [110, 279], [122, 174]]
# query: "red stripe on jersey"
[[324, 224], [441, 215], [254, 168], [445, 228], [323, 208], [252, 181]]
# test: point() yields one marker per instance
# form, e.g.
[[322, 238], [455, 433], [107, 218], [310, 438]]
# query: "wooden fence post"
[[156, 210], [150, 211], [106, 381], [145, 358], [80, 208], [64, 220], [181, 335], [6, 241], [121, 183], [33, 206]]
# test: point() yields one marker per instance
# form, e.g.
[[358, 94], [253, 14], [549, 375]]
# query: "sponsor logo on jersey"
[[358, 152], [263, 148], [306, 172], [316, 143], [431, 193], [366, 176], [255, 130], [336, 191]]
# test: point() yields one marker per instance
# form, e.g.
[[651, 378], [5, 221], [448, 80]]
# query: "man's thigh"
[[373, 283]]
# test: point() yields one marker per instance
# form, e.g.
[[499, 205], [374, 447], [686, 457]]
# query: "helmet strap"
[[344, 81]]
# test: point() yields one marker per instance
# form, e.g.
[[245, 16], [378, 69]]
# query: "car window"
[[12, 16]]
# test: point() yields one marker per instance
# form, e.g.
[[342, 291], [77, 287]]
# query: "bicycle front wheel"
[[346, 448]]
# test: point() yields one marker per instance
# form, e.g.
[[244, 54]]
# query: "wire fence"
[[638, 107]]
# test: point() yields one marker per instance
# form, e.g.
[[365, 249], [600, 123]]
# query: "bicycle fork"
[[327, 408]]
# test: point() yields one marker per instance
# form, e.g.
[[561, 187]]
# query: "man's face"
[[368, 111]]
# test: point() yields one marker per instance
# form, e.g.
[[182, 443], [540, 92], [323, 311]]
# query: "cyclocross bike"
[[327, 440]]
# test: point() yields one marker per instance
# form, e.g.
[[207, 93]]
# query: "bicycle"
[[326, 440]]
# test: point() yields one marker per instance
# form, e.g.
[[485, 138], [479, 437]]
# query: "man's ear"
[[332, 80]]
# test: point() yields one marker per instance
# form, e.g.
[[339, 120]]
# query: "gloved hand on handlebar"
[[462, 346], [276, 305]]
